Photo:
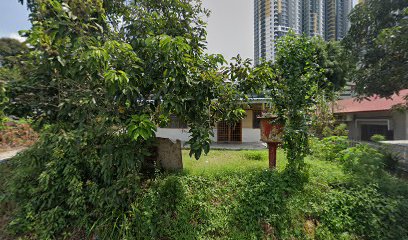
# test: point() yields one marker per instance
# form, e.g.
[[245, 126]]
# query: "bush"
[[390, 159], [329, 149], [377, 138], [255, 156], [62, 185], [363, 161], [16, 133], [363, 212]]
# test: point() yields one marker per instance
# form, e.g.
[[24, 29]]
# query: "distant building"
[[274, 19], [374, 116], [246, 130], [336, 18], [313, 18]]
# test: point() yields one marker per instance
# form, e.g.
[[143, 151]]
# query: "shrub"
[[255, 156], [62, 185], [363, 161], [341, 130], [390, 159], [377, 138], [363, 212], [14, 134], [329, 148]]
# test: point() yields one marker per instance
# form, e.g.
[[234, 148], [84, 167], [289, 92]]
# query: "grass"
[[232, 195], [229, 161], [219, 162]]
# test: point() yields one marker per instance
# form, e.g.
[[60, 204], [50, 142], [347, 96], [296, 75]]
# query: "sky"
[[230, 26]]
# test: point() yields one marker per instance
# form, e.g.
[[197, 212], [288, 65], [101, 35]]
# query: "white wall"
[[248, 134], [251, 135], [173, 133]]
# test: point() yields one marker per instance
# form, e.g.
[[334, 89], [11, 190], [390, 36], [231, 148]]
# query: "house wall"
[[173, 133], [248, 134], [398, 122], [400, 126], [247, 121], [251, 135]]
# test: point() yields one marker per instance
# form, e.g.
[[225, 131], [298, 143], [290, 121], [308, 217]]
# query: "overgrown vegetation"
[[213, 201], [100, 76]]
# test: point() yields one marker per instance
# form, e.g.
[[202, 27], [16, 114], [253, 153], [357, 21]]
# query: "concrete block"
[[169, 156]]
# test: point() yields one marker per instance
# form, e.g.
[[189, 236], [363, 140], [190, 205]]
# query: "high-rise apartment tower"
[[336, 18], [313, 18], [274, 18]]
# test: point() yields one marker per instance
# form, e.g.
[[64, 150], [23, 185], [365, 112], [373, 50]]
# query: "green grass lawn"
[[219, 162]]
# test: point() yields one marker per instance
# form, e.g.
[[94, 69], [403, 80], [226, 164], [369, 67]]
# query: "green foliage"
[[300, 78], [363, 161], [3, 100], [322, 120], [340, 130], [133, 59], [10, 50], [245, 203], [363, 212], [141, 126], [329, 148], [377, 138], [390, 159], [62, 185], [256, 156], [377, 43]]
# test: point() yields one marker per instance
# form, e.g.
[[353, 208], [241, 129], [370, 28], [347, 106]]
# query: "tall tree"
[[378, 41], [10, 49], [11, 52], [103, 75]]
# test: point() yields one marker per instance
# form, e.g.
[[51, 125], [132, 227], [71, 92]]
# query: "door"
[[229, 133], [367, 131]]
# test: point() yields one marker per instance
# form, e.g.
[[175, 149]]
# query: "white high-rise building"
[[313, 18], [273, 19]]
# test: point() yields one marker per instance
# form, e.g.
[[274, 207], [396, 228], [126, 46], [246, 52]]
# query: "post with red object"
[[271, 133]]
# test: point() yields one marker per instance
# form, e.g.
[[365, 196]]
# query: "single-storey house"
[[245, 131], [374, 115]]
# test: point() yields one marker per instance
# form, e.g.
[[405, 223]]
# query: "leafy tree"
[[298, 78], [10, 65], [10, 49], [378, 44], [103, 78]]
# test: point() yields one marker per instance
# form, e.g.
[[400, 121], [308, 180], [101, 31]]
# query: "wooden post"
[[272, 146]]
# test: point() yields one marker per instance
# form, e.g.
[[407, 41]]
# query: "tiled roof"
[[372, 104]]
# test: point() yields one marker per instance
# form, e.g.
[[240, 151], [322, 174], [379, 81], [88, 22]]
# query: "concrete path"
[[237, 146], [10, 153]]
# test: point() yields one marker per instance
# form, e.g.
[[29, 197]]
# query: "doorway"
[[229, 132]]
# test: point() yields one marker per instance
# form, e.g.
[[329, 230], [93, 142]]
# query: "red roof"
[[371, 104]]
